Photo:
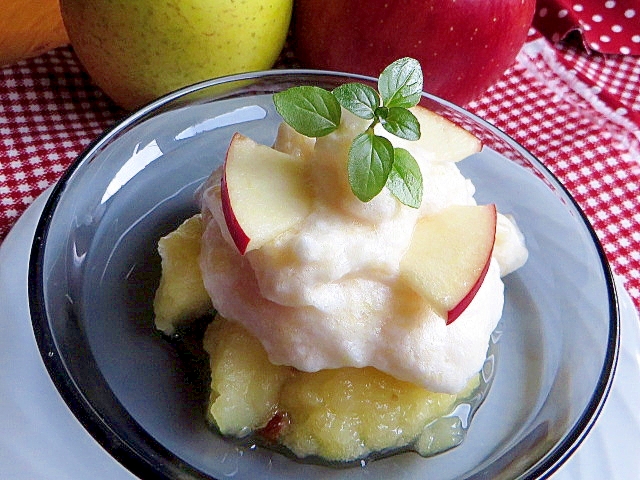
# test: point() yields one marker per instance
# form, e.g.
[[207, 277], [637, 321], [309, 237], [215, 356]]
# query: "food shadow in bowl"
[[94, 269]]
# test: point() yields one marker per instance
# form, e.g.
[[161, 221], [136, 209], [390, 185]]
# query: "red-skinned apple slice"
[[264, 192], [440, 139], [449, 256]]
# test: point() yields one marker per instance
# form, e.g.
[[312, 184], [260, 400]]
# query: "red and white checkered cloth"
[[578, 113]]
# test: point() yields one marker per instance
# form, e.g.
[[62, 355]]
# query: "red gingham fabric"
[[577, 112], [48, 113], [579, 115]]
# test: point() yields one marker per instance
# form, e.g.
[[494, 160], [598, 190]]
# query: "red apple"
[[449, 256], [464, 46], [264, 192]]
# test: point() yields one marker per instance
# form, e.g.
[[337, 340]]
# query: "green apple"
[[138, 50]]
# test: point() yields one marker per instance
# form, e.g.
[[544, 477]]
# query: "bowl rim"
[[147, 466]]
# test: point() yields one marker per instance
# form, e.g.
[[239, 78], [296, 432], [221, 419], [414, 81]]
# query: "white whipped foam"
[[326, 294]]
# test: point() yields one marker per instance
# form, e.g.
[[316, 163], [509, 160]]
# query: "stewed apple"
[[181, 295], [361, 252], [264, 193]]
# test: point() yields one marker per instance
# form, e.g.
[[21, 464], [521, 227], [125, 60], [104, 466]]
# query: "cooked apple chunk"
[[181, 296], [245, 386], [338, 414]]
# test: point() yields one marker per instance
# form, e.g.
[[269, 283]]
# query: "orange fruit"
[[29, 28]]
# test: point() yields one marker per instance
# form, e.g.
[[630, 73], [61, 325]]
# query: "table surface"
[[577, 111]]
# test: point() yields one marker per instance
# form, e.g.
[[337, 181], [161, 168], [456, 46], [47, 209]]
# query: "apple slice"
[[294, 143], [448, 141], [264, 192], [440, 140], [449, 256]]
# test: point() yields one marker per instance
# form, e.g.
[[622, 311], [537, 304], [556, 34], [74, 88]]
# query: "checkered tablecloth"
[[577, 111], [580, 115]]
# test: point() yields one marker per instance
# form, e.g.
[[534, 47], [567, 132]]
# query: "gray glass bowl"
[[94, 270]]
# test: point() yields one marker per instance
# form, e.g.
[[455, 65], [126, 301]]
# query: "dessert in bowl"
[[95, 271]]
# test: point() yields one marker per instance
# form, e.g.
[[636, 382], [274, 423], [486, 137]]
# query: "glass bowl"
[[94, 270]]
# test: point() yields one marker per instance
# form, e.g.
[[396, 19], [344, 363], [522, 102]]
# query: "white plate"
[[41, 438]]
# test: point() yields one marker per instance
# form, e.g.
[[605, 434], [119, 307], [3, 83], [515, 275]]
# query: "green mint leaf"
[[400, 84], [359, 99], [381, 113], [311, 111], [402, 123], [405, 179], [369, 164]]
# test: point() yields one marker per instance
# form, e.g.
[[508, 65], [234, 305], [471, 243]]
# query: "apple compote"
[[353, 284], [341, 415], [344, 328]]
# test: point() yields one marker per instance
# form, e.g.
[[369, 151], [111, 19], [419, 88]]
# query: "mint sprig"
[[373, 162], [311, 111]]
